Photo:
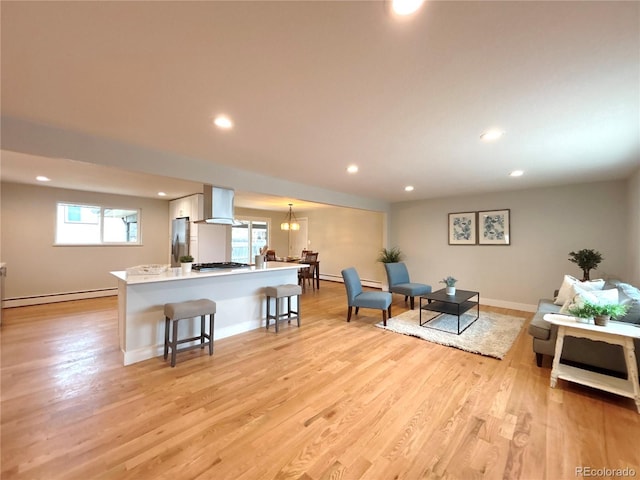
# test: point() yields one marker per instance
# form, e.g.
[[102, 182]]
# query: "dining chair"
[[307, 274], [356, 297], [399, 282]]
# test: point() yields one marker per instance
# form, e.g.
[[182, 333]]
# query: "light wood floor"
[[327, 400]]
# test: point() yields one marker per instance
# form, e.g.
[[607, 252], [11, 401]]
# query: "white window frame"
[[267, 220], [100, 222]]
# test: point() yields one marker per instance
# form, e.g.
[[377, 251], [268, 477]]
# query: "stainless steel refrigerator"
[[179, 240]]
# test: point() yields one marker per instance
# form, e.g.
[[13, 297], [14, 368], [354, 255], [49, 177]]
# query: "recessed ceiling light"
[[516, 173], [42, 178], [406, 7], [408, 188], [491, 135], [224, 122], [162, 194], [352, 168]]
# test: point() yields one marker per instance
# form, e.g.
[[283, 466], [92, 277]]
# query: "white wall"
[[634, 228], [38, 268], [343, 237], [546, 224], [212, 243], [347, 237], [277, 238]]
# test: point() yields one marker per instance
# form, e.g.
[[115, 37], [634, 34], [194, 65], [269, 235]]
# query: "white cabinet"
[[190, 206], [196, 207], [179, 207]]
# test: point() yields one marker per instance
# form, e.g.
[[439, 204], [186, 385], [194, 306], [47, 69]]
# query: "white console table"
[[616, 333]]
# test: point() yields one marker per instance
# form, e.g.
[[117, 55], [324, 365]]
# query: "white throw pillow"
[[565, 293], [598, 297]]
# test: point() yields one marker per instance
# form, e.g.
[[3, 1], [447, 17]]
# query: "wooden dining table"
[[316, 275]]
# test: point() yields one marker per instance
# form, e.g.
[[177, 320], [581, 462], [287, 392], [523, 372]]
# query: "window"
[[248, 238], [96, 225]]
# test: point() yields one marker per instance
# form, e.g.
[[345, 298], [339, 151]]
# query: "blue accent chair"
[[357, 298], [399, 282]]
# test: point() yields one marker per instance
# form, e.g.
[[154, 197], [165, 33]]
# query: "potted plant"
[[390, 255], [608, 311], [587, 259], [450, 283], [584, 312], [186, 261]]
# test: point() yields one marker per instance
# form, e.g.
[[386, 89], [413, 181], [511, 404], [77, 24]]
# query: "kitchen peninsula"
[[238, 293]]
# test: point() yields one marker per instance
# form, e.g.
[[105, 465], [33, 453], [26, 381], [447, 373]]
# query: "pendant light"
[[290, 221]]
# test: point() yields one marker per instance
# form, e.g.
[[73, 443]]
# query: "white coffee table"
[[616, 333]]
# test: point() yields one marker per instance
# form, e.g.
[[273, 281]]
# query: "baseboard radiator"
[[338, 278], [57, 297]]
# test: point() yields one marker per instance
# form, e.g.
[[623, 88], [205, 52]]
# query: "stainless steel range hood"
[[218, 205]]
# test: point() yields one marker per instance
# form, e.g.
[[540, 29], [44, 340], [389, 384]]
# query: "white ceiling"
[[64, 173], [315, 86]]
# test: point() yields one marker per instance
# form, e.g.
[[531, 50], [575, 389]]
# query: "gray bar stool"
[[278, 292], [174, 312]]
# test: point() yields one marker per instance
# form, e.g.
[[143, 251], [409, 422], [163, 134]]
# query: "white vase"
[[186, 267], [451, 290], [584, 320]]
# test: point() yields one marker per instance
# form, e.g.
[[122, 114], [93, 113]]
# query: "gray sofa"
[[597, 356]]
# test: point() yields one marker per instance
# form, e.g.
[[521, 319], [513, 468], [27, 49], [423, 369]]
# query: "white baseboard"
[[338, 278], [57, 297], [523, 307], [63, 297], [134, 356]]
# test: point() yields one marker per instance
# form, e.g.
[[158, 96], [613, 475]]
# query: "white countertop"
[[176, 274]]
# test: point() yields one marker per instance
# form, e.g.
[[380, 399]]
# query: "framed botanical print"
[[494, 227], [462, 228]]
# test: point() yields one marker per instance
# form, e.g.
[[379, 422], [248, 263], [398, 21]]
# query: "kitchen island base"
[[239, 295]]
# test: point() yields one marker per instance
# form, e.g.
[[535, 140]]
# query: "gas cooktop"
[[205, 267]]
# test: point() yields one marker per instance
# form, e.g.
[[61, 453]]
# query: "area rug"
[[492, 335]]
